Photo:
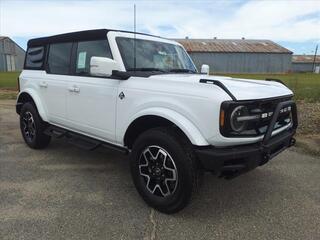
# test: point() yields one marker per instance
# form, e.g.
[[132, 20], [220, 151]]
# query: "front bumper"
[[232, 161]]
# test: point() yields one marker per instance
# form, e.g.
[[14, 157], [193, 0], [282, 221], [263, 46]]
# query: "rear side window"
[[34, 58], [88, 49], [59, 58]]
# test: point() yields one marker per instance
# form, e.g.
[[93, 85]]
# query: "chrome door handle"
[[43, 84], [71, 89], [76, 89]]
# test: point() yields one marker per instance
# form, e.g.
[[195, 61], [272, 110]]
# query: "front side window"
[[59, 58], [88, 49], [153, 55]]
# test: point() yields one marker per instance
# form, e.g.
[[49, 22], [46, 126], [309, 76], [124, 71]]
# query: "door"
[[13, 63], [8, 60], [91, 101], [53, 86]]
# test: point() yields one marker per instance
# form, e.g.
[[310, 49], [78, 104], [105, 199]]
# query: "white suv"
[[142, 95]]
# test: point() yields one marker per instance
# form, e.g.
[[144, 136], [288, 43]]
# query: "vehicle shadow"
[[216, 196], [240, 197]]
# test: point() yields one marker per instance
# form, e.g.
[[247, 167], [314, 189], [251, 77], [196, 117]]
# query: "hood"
[[241, 89]]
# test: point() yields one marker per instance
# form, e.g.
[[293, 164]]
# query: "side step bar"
[[80, 140]]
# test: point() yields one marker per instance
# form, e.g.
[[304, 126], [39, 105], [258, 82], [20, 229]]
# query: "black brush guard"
[[230, 162]]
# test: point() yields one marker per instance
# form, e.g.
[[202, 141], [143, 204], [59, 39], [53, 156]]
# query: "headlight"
[[237, 118]]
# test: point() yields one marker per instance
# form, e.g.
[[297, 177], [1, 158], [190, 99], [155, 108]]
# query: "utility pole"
[[314, 59], [134, 41], [0, 16]]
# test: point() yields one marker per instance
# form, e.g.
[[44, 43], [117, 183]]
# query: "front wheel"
[[164, 169]]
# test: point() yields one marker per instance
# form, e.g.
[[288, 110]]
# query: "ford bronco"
[[142, 95]]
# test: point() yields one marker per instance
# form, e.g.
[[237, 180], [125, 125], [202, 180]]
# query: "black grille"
[[269, 107]]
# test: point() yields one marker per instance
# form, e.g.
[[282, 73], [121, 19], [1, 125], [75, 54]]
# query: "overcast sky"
[[293, 24]]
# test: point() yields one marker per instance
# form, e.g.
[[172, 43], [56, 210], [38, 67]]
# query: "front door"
[[91, 101]]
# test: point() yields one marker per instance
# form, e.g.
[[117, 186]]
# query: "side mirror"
[[102, 67], [205, 69]]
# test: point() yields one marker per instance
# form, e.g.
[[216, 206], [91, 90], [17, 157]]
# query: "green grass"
[[306, 86], [8, 80]]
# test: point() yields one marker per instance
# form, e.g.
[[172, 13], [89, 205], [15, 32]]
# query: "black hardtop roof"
[[86, 35]]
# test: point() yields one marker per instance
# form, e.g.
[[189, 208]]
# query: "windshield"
[[154, 56]]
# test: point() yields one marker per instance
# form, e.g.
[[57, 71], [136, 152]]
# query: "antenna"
[[134, 41]]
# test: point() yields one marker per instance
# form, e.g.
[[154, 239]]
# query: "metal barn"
[[238, 55], [304, 63], [11, 55]]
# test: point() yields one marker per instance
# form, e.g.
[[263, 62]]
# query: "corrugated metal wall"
[[20, 54], [3, 65], [244, 62], [10, 48], [302, 67]]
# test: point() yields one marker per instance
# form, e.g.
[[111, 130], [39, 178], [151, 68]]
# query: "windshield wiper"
[[146, 69], [181, 70]]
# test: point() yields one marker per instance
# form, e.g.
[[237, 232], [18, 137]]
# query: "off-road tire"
[[29, 115], [188, 170]]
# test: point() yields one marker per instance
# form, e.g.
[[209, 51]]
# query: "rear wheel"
[[164, 169], [32, 127]]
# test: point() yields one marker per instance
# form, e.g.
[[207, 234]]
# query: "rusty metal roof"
[[305, 59], [232, 45]]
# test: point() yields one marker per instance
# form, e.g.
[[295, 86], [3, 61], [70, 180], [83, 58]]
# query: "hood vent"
[[219, 84]]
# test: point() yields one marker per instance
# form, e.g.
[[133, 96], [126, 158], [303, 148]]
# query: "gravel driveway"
[[68, 193]]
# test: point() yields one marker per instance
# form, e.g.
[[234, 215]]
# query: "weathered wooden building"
[[11, 55]]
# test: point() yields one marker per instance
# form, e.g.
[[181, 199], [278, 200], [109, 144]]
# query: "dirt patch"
[[309, 118], [309, 144], [8, 94]]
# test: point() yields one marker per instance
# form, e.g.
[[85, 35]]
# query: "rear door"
[[91, 101], [54, 85]]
